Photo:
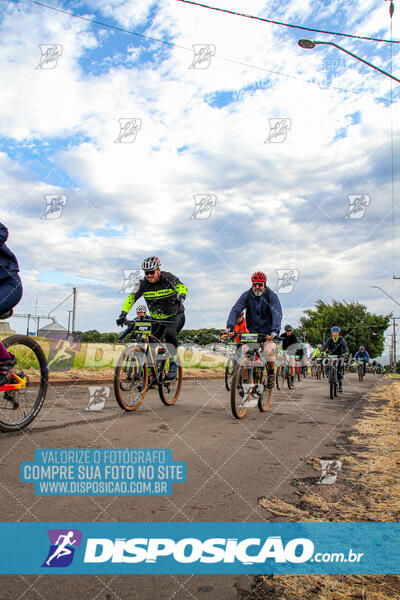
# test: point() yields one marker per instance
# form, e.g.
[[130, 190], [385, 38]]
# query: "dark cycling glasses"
[[258, 285], [150, 272]]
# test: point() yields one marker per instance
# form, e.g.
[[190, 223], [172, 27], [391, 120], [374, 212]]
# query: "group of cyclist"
[[165, 295]]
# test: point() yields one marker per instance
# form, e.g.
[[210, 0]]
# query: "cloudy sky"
[[124, 134]]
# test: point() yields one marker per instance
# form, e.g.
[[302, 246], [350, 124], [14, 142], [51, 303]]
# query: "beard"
[[257, 292]]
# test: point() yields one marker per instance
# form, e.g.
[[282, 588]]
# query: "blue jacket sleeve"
[[367, 355], [237, 308], [276, 310], [3, 234]]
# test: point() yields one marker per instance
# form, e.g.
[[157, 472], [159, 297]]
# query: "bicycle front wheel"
[[265, 394], [241, 387], [169, 390], [19, 407], [131, 378]]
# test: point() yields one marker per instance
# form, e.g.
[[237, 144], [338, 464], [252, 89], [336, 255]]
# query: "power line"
[[231, 12], [243, 64]]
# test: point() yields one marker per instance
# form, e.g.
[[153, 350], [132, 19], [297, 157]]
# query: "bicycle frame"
[[21, 383]]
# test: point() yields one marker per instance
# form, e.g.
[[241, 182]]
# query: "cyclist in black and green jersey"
[[164, 295]]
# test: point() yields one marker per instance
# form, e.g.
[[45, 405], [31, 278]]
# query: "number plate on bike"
[[249, 337], [143, 327]]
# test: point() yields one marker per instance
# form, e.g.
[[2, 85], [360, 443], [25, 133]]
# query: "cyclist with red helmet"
[[263, 315], [164, 295]]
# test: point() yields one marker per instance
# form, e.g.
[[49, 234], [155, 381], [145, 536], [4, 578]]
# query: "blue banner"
[[114, 472], [203, 548]]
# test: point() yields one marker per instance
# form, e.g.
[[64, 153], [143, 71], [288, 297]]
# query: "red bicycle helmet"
[[258, 277]]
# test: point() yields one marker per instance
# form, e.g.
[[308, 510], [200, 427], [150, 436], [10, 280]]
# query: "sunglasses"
[[150, 272], [289, 330], [256, 285]]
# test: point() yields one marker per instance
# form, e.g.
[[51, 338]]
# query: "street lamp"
[[379, 288], [309, 44]]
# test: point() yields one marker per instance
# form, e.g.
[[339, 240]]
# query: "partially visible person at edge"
[[337, 346], [164, 295], [10, 295], [290, 342], [263, 315]]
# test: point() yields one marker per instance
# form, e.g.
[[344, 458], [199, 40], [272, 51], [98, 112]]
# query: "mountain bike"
[[332, 369], [144, 363], [283, 371], [22, 397], [361, 364], [249, 386]]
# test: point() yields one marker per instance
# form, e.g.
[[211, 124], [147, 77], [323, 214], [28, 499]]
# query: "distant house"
[[53, 330]]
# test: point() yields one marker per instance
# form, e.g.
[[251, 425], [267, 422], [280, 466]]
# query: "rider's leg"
[[269, 355], [10, 295], [170, 334], [292, 366]]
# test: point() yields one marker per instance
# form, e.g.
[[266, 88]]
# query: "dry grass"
[[367, 489]]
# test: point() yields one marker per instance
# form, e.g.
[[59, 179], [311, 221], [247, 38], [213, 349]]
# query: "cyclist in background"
[[337, 346], [10, 295], [240, 326], [263, 315], [164, 295], [141, 315], [290, 343], [317, 352], [362, 356]]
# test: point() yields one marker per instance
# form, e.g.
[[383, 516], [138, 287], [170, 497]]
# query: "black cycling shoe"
[[340, 387], [6, 367]]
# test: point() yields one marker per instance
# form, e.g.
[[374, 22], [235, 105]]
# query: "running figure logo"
[[62, 547], [128, 129], [278, 130], [203, 54], [131, 281], [286, 280], [55, 204], [357, 206], [98, 396], [50, 53], [203, 205]]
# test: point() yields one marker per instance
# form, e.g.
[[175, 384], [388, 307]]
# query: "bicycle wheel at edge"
[[169, 390], [28, 400], [131, 378], [229, 369]]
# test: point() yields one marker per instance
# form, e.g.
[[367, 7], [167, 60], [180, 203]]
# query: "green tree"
[[358, 327]]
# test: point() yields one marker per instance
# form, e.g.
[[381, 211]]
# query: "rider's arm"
[[132, 298], [345, 347], [326, 345], [237, 308], [178, 286], [276, 311], [367, 355]]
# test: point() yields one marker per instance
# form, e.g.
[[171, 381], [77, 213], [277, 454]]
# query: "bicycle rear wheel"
[[230, 367], [241, 387], [360, 373], [277, 375], [131, 378], [169, 390], [19, 407]]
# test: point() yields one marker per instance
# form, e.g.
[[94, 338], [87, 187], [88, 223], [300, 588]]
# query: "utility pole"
[[394, 346], [75, 293]]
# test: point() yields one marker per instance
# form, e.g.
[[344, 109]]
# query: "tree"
[[358, 327]]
